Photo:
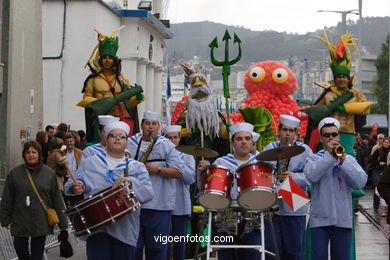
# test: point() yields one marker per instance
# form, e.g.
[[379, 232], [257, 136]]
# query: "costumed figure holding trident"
[[107, 90]]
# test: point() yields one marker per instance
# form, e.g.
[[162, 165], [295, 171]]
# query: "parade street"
[[371, 238]]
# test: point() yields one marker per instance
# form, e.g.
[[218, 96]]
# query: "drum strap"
[[126, 173], [139, 147], [156, 160]]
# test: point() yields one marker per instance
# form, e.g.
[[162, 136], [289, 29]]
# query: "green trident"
[[225, 64]]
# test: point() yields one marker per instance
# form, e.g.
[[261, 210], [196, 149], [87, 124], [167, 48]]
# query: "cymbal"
[[280, 153], [197, 150]]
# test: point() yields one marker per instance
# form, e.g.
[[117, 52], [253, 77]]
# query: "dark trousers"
[[290, 237], [251, 238], [340, 243], [102, 246], [376, 175], [179, 227], [153, 224], [37, 247]]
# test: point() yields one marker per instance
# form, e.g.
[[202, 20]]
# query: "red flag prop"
[[294, 196]]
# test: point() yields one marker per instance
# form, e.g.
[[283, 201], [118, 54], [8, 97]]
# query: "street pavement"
[[371, 238]]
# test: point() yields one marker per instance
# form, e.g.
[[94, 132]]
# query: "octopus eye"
[[280, 75], [257, 74]]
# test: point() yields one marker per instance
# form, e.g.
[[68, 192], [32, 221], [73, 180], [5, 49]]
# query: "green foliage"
[[381, 85]]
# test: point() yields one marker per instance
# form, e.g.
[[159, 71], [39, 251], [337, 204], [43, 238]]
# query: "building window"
[[368, 75], [366, 86]]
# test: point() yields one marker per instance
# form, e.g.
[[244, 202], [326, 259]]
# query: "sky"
[[299, 16]]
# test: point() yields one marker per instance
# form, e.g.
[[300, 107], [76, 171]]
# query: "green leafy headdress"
[[340, 56], [107, 44]]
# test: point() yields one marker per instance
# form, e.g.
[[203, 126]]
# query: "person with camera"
[[332, 174]]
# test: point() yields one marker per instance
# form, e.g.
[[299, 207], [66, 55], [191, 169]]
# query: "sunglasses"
[[121, 136], [334, 134]]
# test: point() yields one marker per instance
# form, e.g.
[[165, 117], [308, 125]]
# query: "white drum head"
[[213, 200], [257, 199]]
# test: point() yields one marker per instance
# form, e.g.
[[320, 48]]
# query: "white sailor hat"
[[117, 125], [328, 121], [106, 119], [172, 129], [290, 121], [151, 116], [255, 136], [241, 127]]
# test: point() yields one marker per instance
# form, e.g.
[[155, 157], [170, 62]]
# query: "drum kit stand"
[[257, 196]]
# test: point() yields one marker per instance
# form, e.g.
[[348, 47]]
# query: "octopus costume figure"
[[107, 90], [270, 84]]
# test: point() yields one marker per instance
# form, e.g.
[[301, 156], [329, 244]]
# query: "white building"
[[68, 40]]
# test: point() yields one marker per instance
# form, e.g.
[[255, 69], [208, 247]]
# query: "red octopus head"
[[272, 76]]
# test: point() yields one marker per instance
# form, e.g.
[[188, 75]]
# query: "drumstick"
[[70, 173]]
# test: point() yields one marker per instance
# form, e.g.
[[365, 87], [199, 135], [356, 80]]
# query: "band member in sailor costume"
[[117, 240], [289, 225], [256, 137], [181, 213], [242, 142], [99, 147], [164, 164], [332, 176]]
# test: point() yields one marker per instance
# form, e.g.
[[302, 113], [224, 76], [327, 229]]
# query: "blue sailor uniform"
[[95, 175], [92, 150], [251, 238], [289, 225], [331, 203], [182, 211], [156, 214]]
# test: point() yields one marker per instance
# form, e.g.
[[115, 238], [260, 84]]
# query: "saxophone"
[[148, 150]]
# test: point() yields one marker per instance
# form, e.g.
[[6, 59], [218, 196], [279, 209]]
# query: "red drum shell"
[[215, 185], [102, 209], [256, 186]]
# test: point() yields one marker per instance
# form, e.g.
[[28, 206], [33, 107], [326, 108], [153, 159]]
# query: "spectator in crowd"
[[50, 131], [83, 139], [62, 127], [42, 138], [56, 161], [21, 209], [378, 162], [378, 144]]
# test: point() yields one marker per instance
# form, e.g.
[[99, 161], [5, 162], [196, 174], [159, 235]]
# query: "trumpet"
[[338, 151]]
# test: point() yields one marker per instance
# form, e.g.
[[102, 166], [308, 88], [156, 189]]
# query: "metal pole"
[[344, 22], [359, 86], [388, 46]]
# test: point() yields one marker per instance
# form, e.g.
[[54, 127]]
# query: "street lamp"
[[343, 16]]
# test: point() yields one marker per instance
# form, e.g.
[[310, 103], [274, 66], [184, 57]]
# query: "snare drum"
[[215, 186], [102, 209], [256, 186]]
